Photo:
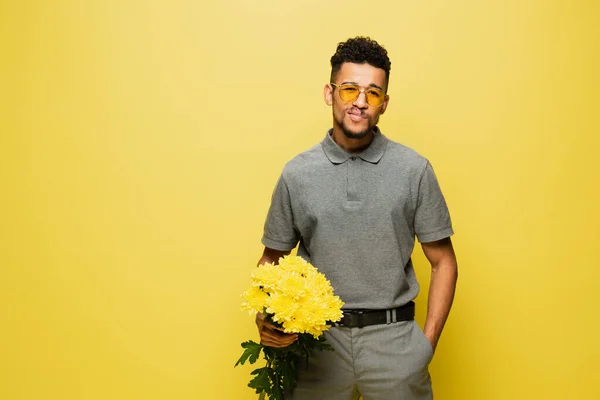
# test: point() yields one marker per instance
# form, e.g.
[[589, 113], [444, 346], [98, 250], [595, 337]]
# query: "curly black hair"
[[360, 50]]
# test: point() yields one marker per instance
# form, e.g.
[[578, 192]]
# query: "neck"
[[352, 145]]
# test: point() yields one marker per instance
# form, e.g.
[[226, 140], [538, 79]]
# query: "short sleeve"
[[432, 218], [280, 233]]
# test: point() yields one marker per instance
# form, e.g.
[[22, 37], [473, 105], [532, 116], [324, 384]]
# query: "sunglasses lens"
[[375, 97], [349, 93]]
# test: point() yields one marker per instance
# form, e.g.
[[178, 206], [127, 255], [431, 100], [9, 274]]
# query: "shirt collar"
[[371, 154]]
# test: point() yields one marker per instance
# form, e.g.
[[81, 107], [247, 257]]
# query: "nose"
[[361, 100]]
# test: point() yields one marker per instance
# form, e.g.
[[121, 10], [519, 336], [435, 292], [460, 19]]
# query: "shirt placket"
[[353, 164]]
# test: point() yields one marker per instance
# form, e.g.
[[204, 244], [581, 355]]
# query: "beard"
[[355, 135], [338, 117], [351, 134]]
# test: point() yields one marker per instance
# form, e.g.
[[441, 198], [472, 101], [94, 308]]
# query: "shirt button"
[[353, 158]]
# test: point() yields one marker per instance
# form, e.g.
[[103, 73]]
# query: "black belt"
[[360, 318]]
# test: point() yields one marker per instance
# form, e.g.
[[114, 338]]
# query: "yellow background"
[[140, 142]]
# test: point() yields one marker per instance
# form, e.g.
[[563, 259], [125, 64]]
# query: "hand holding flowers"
[[296, 298], [272, 336]]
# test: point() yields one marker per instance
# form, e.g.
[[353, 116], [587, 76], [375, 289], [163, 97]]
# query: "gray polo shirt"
[[356, 217]]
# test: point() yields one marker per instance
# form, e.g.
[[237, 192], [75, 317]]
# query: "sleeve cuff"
[[434, 236], [277, 245]]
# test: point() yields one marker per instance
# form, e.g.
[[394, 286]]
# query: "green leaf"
[[251, 353], [261, 381]]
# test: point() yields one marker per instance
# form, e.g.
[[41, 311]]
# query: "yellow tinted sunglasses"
[[350, 92]]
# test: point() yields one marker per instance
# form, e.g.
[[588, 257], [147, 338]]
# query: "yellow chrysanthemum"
[[301, 321], [267, 276], [293, 285], [254, 300], [282, 306], [295, 294]]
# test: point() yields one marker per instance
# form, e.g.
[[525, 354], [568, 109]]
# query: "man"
[[355, 202]]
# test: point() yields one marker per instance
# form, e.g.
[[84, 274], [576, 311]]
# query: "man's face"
[[355, 119]]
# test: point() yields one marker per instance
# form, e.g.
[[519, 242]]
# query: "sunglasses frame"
[[360, 90]]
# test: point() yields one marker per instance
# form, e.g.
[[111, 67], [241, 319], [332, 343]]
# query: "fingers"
[[274, 337], [271, 326]]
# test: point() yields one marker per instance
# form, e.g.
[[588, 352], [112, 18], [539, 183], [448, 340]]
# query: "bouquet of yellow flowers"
[[296, 297]]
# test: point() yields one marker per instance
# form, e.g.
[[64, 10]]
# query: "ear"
[[385, 104], [328, 94]]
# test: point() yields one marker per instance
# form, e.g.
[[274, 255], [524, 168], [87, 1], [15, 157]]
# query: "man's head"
[[360, 50], [360, 70]]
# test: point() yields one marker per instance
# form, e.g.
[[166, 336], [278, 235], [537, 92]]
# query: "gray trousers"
[[379, 362]]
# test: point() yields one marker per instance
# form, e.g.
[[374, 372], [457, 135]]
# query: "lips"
[[356, 116]]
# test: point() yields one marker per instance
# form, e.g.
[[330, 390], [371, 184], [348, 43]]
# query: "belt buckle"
[[354, 319]]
